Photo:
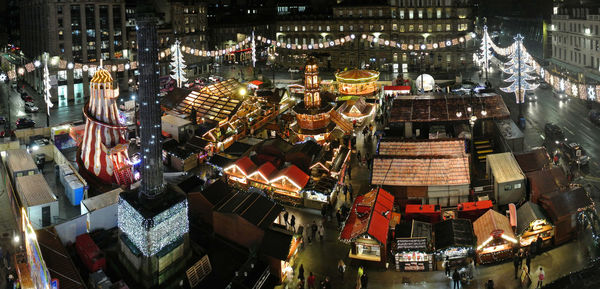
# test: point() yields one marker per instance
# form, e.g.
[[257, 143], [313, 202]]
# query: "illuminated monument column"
[[153, 221], [104, 147]]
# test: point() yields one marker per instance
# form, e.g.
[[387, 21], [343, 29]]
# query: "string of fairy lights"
[[559, 82]]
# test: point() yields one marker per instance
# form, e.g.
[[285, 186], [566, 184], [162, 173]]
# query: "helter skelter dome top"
[[357, 76], [102, 76]]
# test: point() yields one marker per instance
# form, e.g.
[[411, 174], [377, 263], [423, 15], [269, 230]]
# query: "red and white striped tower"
[[104, 147]]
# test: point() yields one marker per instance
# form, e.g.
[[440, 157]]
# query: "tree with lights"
[[485, 52], [47, 87], [178, 64], [519, 67]]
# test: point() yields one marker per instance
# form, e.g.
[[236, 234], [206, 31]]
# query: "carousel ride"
[[358, 90]]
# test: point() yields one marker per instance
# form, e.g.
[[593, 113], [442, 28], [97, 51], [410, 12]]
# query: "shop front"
[[495, 238], [413, 248], [455, 240], [321, 191], [533, 224], [367, 226]]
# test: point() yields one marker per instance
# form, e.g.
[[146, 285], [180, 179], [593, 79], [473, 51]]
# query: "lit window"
[[411, 14], [463, 27], [448, 27], [303, 28], [439, 13], [328, 28], [438, 27], [411, 28], [420, 28], [295, 28], [394, 27], [420, 14], [401, 28], [401, 14], [341, 27]]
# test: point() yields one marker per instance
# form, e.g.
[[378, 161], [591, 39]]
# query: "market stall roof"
[[216, 102], [196, 143], [102, 200], [505, 168], [276, 243], [221, 161], [264, 173], [567, 203], [454, 233], [356, 107], [256, 82], [215, 192], [303, 154], [490, 222], [245, 165], [370, 215], [545, 182], [339, 159], [444, 109], [238, 149], [193, 183], [420, 171], [34, 190], [273, 146], [357, 76], [323, 185], [19, 160], [528, 213], [533, 160], [294, 174], [58, 260], [175, 121], [255, 208], [437, 147]]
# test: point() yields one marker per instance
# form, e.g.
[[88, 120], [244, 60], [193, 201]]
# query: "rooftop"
[[439, 147], [420, 171], [505, 168]]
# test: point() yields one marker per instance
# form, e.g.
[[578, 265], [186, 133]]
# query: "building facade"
[[78, 32], [576, 41], [404, 21]]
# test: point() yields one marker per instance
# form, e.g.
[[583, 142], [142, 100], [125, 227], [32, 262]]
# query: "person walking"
[[538, 244], [327, 283], [345, 190], [358, 156], [456, 279], [311, 281], [341, 268], [447, 266], [364, 281], [349, 171], [338, 217], [516, 264], [286, 216], [350, 192], [313, 229], [293, 223], [541, 276], [301, 274], [528, 260]]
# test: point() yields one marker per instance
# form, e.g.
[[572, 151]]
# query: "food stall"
[[319, 191], [565, 209], [533, 223], [413, 248], [427, 213], [367, 226], [473, 210], [455, 239], [495, 238]]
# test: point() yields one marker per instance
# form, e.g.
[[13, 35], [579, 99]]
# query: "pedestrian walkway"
[[8, 226]]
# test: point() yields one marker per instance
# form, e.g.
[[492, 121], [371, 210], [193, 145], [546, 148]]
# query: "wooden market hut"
[[454, 238], [533, 223], [495, 237], [546, 182], [564, 209], [367, 226]]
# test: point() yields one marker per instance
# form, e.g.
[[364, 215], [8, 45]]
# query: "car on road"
[[2, 120], [30, 107], [7, 133], [27, 98], [554, 133], [560, 95], [25, 123], [544, 85], [530, 95], [575, 153]]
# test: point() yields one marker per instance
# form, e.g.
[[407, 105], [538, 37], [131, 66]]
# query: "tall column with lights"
[[153, 222]]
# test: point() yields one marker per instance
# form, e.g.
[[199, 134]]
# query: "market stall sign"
[[411, 244]]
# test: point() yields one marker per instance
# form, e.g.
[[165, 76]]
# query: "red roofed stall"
[[367, 226], [240, 169], [289, 182]]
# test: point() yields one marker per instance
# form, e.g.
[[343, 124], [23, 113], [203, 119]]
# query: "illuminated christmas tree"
[[178, 64], [519, 67], [47, 87], [485, 55]]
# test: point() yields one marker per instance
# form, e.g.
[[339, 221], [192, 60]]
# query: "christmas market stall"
[[280, 247], [240, 170], [180, 159], [455, 240], [546, 182], [177, 127], [413, 248], [320, 191], [566, 210], [287, 185], [426, 213], [532, 223], [367, 226], [355, 83], [473, 210], [495, 237], [393, 91]]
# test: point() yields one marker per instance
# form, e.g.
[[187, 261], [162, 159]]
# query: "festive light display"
[[519, 68], [47, 87], [178, 64], [485, 51], [152, 234]]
